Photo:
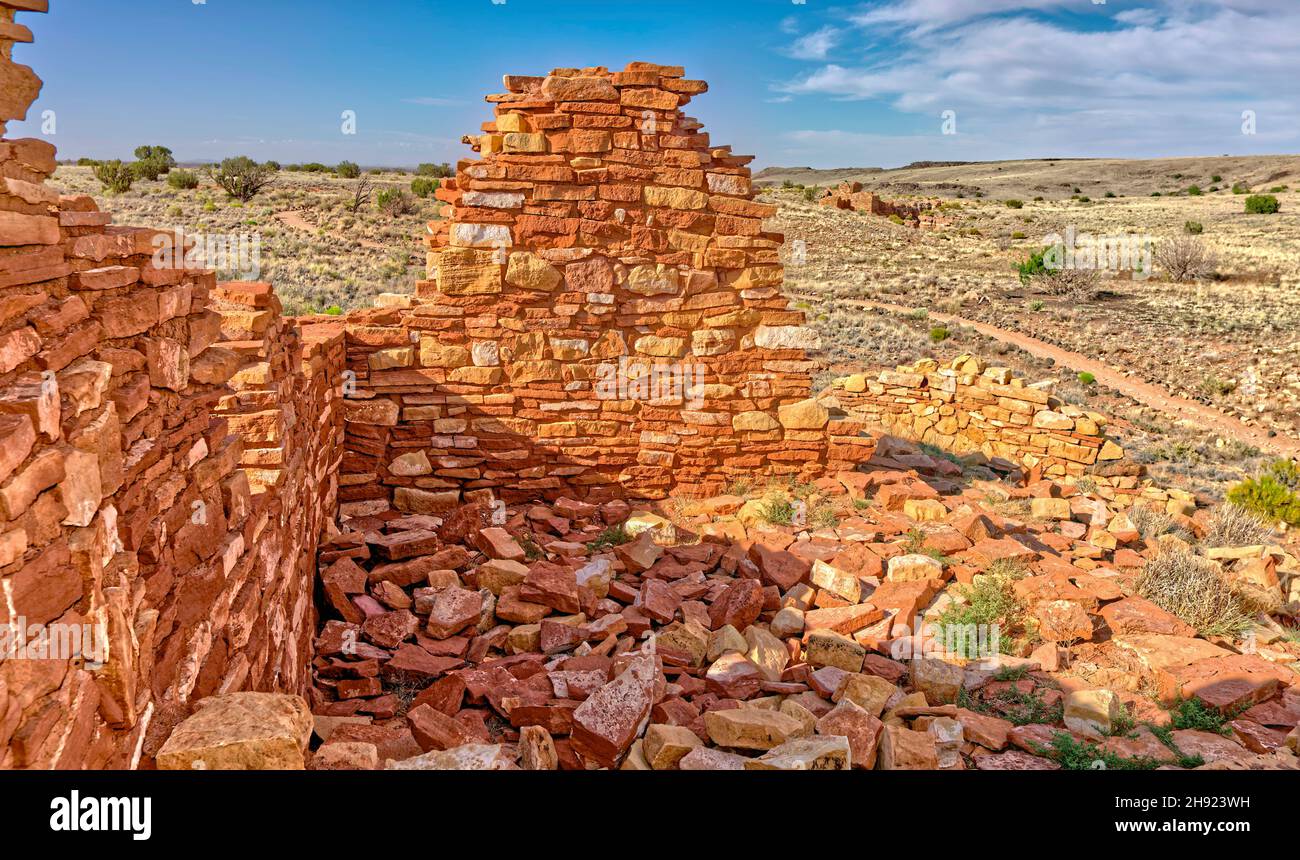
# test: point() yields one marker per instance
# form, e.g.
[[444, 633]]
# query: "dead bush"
[[1185, 259], [1233, 525], [1194, 589], [1077, 284]]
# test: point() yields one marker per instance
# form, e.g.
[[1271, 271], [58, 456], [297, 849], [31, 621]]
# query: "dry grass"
[[1232, 525], [1194, 589], [345, 258]]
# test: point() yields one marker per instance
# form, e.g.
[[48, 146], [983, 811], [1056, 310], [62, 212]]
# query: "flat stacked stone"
[[599, 238]]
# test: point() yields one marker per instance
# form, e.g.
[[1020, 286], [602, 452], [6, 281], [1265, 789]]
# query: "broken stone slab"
[[822, 752], [240, 731], [750, 728], [468, 757]]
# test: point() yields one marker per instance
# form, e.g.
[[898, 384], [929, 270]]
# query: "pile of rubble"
[[575, 635]]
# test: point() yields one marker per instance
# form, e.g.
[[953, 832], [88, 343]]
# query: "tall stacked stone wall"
[[154, 549], [604, 315]]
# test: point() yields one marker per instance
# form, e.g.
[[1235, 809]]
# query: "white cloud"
[[1175, 78], [815, 45]]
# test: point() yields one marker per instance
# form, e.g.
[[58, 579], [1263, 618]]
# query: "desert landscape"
[[599, 449]]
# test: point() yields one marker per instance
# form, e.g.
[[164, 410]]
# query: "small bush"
[[778, 511], [1078, 284], [394, 202], [938, 334], [243, 178], [1216, 178], [160, 155], [1018, 235], [1185, 259], [609, 538], [1233, 525], [148, 169], [1087, 378], [347, 170], [1194, 589], [1034, 265], [1274, 494], [1014, 204], [441, 171], [115, 176], [1194, 228], [1194, 191], [183, 180], [422, 186], [990, 599], [1238, 188], [1262, 204], [1195, 715]]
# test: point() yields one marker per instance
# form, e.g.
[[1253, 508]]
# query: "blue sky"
[[796, 83]]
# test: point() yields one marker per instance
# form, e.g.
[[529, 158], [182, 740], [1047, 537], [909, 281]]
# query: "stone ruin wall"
[[923, 214], [600, 229], [965, 406], [139, 492], [173, 450]]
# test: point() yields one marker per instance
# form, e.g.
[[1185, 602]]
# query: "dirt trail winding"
[[293, 218], [1143, 392]]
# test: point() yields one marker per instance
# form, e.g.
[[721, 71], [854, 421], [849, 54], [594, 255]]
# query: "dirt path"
[[293, 218], [1143, 392]]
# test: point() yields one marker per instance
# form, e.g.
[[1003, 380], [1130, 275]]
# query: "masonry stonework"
[[158, 527], [966, 406], [603, 316]]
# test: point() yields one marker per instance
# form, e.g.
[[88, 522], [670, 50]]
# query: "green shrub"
[[990, 599], [1110, 194], [1195, 228], [609, 538], [393, 202], [1194, 191], [938, 334], [1274, 494], [1087, 378], [334, 310], [115, 176], [183, 179], [440, 171], [1034, 265], [160, 154], [242, 177], [1216, 178], [1238, 188], [347, 170], [148, 169], [1262, 204], [778, 511], [423, 186], [315, 167], [1014, 204], [1018, 235], [86, 162]]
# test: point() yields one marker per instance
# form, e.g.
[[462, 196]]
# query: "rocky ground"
[[776, 628], [1227, 341]]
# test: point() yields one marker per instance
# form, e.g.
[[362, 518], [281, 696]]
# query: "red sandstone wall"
[[136, 494], [600, 226]]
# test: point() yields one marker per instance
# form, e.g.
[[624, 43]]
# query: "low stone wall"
[[965, 406], [923, 214]]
